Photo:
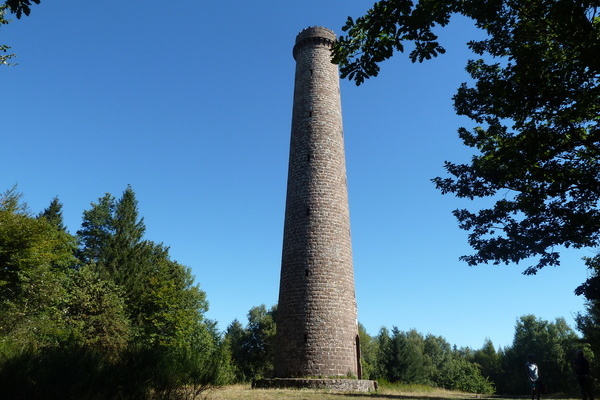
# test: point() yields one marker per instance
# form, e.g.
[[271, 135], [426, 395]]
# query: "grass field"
[[244, 392]]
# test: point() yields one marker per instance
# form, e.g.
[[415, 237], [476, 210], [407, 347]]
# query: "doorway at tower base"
[[342, 385]]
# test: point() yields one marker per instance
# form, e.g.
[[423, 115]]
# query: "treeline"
[[103, 314], [409, 357], [107, 314]]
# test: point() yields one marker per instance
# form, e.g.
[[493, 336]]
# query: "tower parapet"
[[314, 35]]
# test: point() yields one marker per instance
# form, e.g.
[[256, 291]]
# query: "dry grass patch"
[[245, 392], [396, 392]]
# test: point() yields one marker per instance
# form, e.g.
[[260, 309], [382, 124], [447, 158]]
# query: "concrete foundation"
[[342, 385]]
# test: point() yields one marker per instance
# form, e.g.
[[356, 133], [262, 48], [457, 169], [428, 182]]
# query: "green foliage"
[[489, 360], [53, 214], [403, 358], [96, 231], [553, 345], [35, 265], [375, 36], [122, 320], [252, 346], [168, 306], [162, 301], [460, 374], [20, 7], [4, 48], [409, 358], [438, 353], [368, 353], [587, 324], [96, 314], [76, 372], [536, 105]]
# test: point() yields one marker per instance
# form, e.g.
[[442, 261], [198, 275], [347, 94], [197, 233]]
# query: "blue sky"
[[191, 105]]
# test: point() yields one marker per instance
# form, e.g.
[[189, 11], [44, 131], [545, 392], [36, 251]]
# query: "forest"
[[104, 314]]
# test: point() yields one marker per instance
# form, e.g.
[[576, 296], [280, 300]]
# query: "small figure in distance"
[[533, 375], [581, 367]]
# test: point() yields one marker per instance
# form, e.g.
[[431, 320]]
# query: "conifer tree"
[[53, 214], [162, 302], [96, 230]]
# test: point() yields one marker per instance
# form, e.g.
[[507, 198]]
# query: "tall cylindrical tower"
[[317, 332]]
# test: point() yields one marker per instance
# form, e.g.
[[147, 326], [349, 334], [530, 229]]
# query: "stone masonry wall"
[[316, 322]]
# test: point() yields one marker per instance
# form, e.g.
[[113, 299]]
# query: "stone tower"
[[317, 332]]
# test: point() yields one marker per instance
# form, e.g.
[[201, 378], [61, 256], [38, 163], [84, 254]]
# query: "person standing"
[[533, 374], [581, 367]]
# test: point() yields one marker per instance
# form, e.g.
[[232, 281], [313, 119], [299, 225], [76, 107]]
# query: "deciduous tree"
[[36, 260], [20, 7], [17, 7], [535, 101], [252, 346], [4, 58], [552, 344], [368, 353], [96, 313]]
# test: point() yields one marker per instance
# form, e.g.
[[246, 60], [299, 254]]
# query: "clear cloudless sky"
[[190, 103]]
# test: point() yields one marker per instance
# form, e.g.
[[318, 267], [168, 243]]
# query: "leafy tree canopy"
[[4, 48], [252, 347], [35, 261], [17, 7], [53, 214], [164, 305], [552, 344], [536, 103], [20, 7]]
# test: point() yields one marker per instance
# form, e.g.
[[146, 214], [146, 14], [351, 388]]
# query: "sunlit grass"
[[385, 392], [245, 392]]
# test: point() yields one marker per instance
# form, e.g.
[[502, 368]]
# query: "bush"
[[73, 372], [460, 374]]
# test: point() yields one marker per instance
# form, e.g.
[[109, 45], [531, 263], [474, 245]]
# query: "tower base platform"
[[342, 385]]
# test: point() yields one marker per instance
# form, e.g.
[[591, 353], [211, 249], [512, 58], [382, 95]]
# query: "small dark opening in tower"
[[308, 157], [305, 338], [311, 72], [306, 273], [308, 211], [310, 114]]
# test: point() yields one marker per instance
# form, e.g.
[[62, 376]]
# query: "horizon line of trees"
[[409, 357]]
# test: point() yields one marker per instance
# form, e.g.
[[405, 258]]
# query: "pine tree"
[[53, 214], [163, 304], [96, 231]]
